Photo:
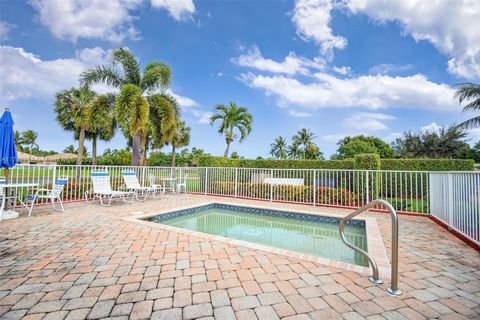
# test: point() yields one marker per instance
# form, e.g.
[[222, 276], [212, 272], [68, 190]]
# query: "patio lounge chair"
[[55, 193], [103, 190], [132, 184]]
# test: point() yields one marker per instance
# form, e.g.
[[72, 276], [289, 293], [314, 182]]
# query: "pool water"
[[299, 234]]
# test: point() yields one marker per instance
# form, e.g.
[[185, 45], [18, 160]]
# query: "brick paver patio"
[[88, 263]]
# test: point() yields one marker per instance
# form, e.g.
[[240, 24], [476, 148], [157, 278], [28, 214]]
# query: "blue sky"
[[337, 68]]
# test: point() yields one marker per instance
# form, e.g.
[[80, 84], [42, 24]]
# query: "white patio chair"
[[182, 185], [55, 193], [155, 186], [103, 190], [3, 196], [132, 184]]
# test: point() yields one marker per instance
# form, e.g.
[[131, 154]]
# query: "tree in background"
[[313, 152], [102, 123], [470, 93], [80, 110], [232, 117], [278, 148], [348, 147], [304, 137], [29, 138], [294, 151], [180, 139], [138, 107], [69, 149], [447, 143]]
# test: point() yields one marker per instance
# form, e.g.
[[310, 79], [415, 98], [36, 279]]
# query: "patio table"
[[12, 214], [171, 183]]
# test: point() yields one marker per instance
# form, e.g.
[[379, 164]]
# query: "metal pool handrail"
[[393, 289]]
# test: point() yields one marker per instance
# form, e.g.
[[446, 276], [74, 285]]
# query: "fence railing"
[[451, 197], [455, 200]]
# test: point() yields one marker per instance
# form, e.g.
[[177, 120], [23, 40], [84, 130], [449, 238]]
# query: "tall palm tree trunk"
[[136, 141], [228, 148], [174, 155], [94, 150], [30, 154], [81, 141]]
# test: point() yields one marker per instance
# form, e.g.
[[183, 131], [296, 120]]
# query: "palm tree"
[[29, 138], [180, 139], [293, 150], [303, 137], [17, 137], [69, 149], [279, 148], [469, 92], [232, 117], [87, 114], [133, 110], [102, 122]]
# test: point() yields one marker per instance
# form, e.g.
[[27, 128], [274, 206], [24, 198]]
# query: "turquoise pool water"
[[304, 233]]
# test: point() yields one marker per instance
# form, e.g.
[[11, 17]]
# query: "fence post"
[[271, 186], [314, 187], [54, 175], [236, 182], [367, 185], [143, 175], [206, 180], [450, 200]]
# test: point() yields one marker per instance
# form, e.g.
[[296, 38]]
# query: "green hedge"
[[211, 161], [428, 164], [366, 161]]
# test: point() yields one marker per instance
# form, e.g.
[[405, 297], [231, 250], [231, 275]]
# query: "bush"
[[367, 161], [428, 164], [363, 161], [211, 161]]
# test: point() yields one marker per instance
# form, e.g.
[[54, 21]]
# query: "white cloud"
[[93, 19], [344, 71], [372, 92], [180, 10], [392, 137], [5, 28], [334, 138], [368, 121], [184, 102], [204, 117], [432, 128], [451, 26], [26, 75], [292, 64], [299, 114], [312, 20], [388, 68]]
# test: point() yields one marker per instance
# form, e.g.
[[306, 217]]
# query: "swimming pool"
[[300, 232]]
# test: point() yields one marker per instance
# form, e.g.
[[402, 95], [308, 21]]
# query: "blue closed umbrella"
[[8, 151]]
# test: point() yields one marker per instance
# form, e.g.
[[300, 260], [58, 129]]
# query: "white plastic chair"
[[55, 193], [132, 183], [154, 186], [103, 190], [182, 185]]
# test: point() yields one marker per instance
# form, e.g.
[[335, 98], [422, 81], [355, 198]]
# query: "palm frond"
[[129, 64], [156, 75], [103, 74], [469, 124]]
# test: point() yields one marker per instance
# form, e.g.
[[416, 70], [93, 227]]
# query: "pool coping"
[[375, 244]]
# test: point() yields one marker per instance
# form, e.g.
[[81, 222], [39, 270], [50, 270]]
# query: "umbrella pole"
[[6, 172]]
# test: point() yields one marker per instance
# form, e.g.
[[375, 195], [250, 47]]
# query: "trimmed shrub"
[[428, 164], [364, 161], [367, 161]]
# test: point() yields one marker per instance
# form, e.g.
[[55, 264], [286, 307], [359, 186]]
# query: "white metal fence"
[[452, 197], [455, 200]]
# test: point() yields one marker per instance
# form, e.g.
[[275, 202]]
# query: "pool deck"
[[91, 262]]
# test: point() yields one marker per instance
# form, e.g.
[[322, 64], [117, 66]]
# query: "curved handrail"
[[393, 289]]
